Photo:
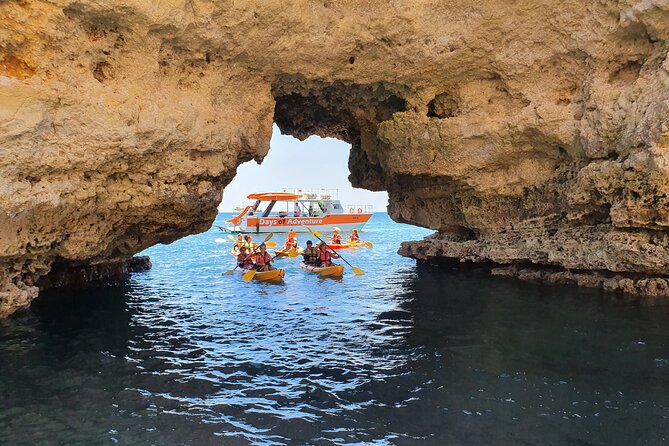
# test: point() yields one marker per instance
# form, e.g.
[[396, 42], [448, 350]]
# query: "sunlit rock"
[[523, 132]]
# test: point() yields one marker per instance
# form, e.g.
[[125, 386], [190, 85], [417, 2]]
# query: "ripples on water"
[[403, 355]]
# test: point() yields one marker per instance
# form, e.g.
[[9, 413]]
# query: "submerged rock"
[[530, 132]]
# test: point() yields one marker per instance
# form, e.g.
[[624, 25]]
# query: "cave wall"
[[522, 131]]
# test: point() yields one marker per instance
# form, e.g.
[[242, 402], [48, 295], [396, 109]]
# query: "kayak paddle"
[[356, 270], [230, 271], [232, 238], [250, 274]]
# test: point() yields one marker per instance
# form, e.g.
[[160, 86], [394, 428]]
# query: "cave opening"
[[337, 125], [314, 164], [343, 110], [324, 139]]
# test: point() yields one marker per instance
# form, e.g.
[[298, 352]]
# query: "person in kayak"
[[291, 242], [336, 238], [236, 248], [249, 245], [324, 256], [263, 259], [244, 260], [310, 254], [354, 237]]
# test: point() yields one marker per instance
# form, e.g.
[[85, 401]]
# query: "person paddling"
[[263, 259], [354, 237], [336, 238], [324, 256], [244, 260], [310, 254], [291, 242]]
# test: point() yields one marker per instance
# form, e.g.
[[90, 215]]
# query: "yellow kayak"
[[267, 276], [358, 244], [332, 271], [279, 253], [347, 245]]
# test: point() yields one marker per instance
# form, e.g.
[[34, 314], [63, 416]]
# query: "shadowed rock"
[[527, 132]]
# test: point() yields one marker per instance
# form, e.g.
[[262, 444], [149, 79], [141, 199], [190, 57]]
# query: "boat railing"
[[359, 209], [315, 194]]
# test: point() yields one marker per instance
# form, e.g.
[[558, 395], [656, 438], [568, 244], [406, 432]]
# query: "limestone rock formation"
[[524, 132]]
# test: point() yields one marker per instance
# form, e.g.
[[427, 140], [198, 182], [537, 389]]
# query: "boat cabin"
[[287, 211]]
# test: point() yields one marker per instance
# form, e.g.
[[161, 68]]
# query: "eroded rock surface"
[[529, 131]]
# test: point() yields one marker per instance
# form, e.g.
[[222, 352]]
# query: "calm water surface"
[[403, 355]]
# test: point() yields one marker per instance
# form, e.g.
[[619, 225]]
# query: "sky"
[[300, 162]]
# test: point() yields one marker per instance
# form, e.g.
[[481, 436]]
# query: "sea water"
[[405, 354]]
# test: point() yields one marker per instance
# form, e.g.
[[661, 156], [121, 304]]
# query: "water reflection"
[[409, 354]]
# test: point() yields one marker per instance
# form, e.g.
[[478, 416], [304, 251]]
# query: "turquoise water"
[[403, 355]]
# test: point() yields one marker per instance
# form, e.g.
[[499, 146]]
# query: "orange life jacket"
[[263, 258], [324, 256], [244, 260]]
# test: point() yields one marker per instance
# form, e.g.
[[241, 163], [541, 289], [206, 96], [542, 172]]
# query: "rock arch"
[[531, 133]]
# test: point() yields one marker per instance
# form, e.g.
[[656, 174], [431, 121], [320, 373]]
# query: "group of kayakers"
[[260, 260], [337, 239], [244, 241], [253, 256]]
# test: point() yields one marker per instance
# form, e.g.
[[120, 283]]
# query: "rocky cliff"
[[526, 133]]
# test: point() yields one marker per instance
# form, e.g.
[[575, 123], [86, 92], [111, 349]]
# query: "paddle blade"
[[271, 244], [292, 254], [316, 233], [357, 271], [232, 238], [249, 275], [228, 272], [369, 244], [269, 236]]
